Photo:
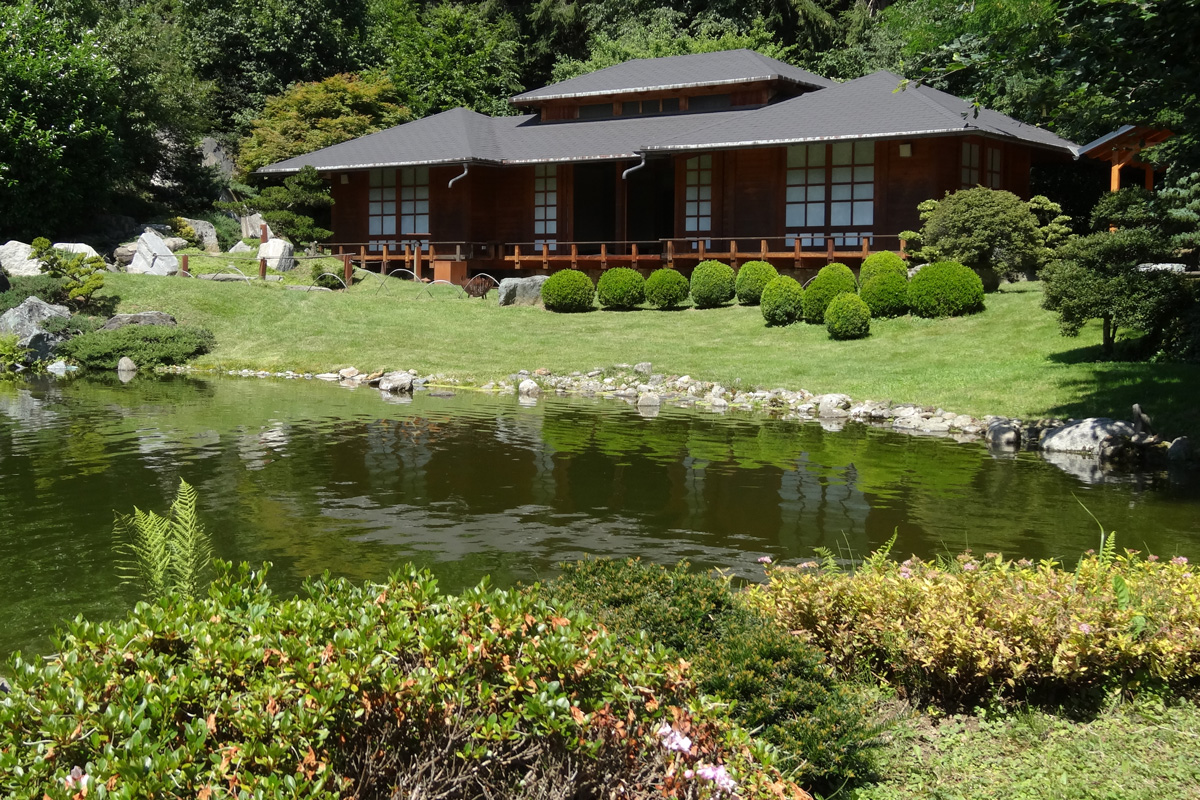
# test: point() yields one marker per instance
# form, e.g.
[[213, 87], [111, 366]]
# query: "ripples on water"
[[313, 477]]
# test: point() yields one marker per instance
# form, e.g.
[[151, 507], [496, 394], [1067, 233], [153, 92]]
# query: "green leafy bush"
[[752, 278], [832, 280], [666, 288], [881, 263], [848, 317], [381, 690], [43, 287], [782, 687], [621, 288], [945, 289], [328, 274], [712, 284], [568, 291], [971, 629], [782, 301], [12, 355], [886, 294], [147, 345], [986, 229], [81, 275], [73, 325]]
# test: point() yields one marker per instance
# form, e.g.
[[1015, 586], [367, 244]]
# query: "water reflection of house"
[[664, 161]]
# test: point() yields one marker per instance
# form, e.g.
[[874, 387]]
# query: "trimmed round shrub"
[[752, 278], [832, 280], [945, 289], [782, 301], [712, 284], [621, 288], [847, 317], [666, 288], [883, 262], [886, 294], [568, 291]]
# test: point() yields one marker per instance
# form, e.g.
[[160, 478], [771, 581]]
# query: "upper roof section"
[[727, 68]]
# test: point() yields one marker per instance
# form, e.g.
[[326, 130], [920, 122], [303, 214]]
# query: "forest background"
[[103, 103]]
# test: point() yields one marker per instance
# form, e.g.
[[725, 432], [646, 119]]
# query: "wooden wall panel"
[[902, 183], [502, 210], [756, 180], [349, 211], [450, 206]]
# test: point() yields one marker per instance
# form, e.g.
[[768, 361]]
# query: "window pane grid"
[[545, 206], [697, 209], [840, 196], [381, 207]]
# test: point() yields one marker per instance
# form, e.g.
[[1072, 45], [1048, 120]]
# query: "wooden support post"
[[262, 269], [603, 256], [1149, 177], [829, 250], [383, 262], [517, 255], [1114, 181], [701, 249], [633, 251], [671, 253], [347, 269], [417, 254], [904, 248], [796, 251], [432, 254], [183, 266], [574, 256], [262, 233], [545, 256], [763, 250], [866, 247], [733, 256], [408, 260]]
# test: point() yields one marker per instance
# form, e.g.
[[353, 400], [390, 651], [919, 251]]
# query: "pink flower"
[[673, 739], [1179, 561], [809, 565], [970, 566], [77, 779], [1084, 628], [1186, 576], [689, 774], [718, 776], [991, 556], [1152, 557], [1024, 562], [765, 560], [905, 572]]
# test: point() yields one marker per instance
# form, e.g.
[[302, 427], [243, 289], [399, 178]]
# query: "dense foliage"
[[880, 263], [147, 345], [945, 289], [848, 317], [752, 278], [985, 229], [831, 280], [666, 288], [622, 288], [375, 691], [568, 291], [79, 276], [971, 629], [712, 284], [780, 686], [43, 287], [886, 294], [309, 116], [782, 301], [290, 209]]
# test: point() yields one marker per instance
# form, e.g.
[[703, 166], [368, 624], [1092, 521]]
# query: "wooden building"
[[663, 162]]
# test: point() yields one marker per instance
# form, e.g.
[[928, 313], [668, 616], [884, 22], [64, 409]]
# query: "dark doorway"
[[595, 205], [650, 195]]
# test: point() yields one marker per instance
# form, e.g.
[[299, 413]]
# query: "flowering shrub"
[[375, 691], [970, 629]]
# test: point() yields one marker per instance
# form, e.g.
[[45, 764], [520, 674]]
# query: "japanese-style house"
[[663, 162]]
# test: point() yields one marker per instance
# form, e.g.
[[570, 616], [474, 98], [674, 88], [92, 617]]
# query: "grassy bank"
[[1009, 360]]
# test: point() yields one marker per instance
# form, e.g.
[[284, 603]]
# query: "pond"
[[313, 477]]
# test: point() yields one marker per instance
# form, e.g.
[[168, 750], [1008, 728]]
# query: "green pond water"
[[314, 477]]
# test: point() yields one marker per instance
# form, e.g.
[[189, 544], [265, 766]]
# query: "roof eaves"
[[274, 168], [525, 99], [662, 148]]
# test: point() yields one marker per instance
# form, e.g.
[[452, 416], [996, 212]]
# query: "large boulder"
[[153, 257], [77, 247], [241, 247], [252, 226], [278, 254], [16, 260], [139, 318], [206, 235], [1094, 436], [124, 254], [175, 243], [26, 322], [396, 383], [522, 291]]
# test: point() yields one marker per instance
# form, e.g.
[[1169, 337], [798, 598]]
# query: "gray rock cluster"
[[26, 322], [153, 256], [522, 291]]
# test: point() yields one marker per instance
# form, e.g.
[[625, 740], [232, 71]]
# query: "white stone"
[[153, 257], [529, 388], [241, 247], [278, 254], [1086, 436], [77, 247], [16, 261]]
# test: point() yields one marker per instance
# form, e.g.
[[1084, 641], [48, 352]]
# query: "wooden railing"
[[417, 260]]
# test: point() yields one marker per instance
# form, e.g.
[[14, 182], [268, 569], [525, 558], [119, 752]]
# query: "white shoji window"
[[993, 167], [697, 210], [381, 208], [852, 190], [414, 205], [970, 165], [806, 196], [545, 205]]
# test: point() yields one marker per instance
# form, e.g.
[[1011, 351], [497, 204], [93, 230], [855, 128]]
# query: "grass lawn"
[[1008, 360], [1137, 752]]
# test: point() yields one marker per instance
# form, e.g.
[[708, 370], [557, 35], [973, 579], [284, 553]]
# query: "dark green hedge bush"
[[752, 278], [373, 691], [822, 727], [712, 284], [883, 262], [666, 288], [848, 317], [832, 280], [147, 345], [43, 287], [621, 287], [886, 294], [945, 289], [782, 301], [568, 291]]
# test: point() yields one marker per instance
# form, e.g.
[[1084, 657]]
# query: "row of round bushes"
[[882, 290]]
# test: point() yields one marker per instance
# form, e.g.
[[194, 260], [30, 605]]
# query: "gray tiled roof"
[[676, 72], [866, 108]]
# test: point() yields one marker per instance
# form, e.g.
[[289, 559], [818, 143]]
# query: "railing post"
[[574, 256], [432, 253], [796, 252], [603, 256], [829, 250], [701, 249], [418, 253], [866, 247], [904, 248], [262, 269], [671, 253], [763, 251], [183, 266], [517, 255], [408, 260], [733, 255], [633, 252], [383, 262], [262, 233], [545, 256]]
